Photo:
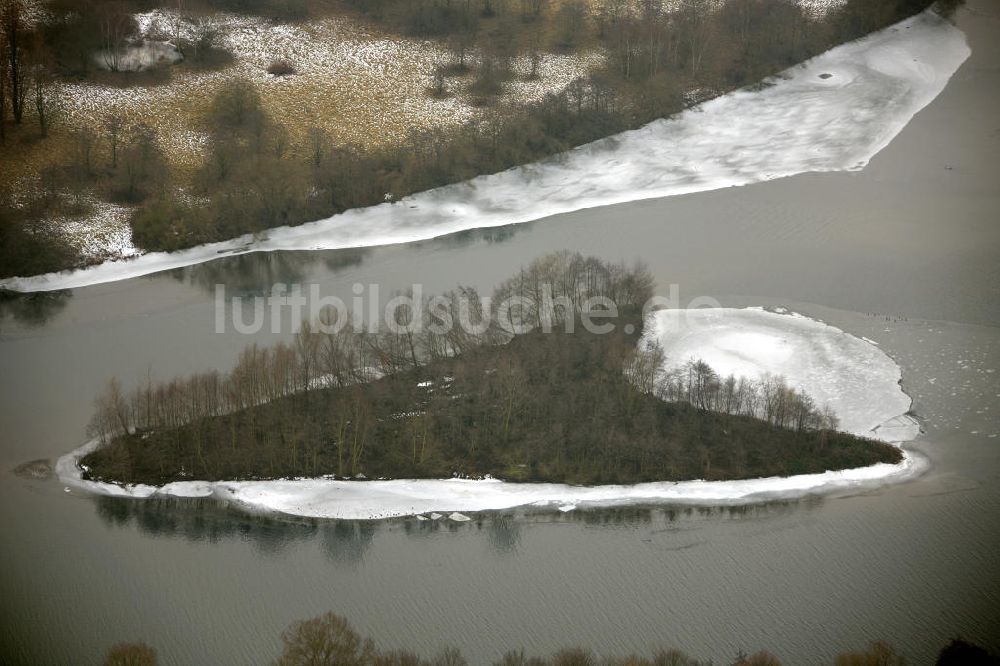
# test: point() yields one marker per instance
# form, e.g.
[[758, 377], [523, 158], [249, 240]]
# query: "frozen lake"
[[902, 252]]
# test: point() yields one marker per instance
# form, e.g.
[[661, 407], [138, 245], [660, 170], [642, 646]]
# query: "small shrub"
[[160, 225], [438, 88], [281, 68]]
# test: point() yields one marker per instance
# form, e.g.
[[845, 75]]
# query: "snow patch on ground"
[[857, 379], [801, 123], [138, 57], [820, 8], [103, 232]]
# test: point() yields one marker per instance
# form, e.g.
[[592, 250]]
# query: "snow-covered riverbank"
[[834, 112], [854, 377]]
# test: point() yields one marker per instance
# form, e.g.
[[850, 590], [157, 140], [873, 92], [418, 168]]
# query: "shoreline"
[[397, 498], [872, 89]]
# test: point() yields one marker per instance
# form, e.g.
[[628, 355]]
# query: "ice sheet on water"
[[854, 377], [834, 112]]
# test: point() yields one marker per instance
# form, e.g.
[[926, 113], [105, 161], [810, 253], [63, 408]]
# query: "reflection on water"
[[347, 541], [253, 274], [504, 534], [202, 520], [489, 235], [32, 309]]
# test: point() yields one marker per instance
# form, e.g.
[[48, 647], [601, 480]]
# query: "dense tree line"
[[482, 398], [330, 640]]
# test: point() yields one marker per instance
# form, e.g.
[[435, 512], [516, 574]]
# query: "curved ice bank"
[[854, 377], [370, 500], [831, 113]]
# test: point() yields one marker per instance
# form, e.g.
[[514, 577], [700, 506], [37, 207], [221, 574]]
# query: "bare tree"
[[204, 36], [652, 13], [83, 152], [41, 88], [142, 164], [176, 23], [320, 145], [531, 9], [437, 75], [460, 43], [572, 18], [696, 20], [3, 84], [326, 640], [114, 127], [112, 417], [116, 26], [12, 24]]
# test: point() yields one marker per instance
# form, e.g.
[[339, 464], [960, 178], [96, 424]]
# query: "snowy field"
[[363, 87], [853, 376], [104, 232], [832, 113]]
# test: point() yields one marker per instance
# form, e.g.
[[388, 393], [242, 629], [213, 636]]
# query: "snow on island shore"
[[834, 112], [854, 377]]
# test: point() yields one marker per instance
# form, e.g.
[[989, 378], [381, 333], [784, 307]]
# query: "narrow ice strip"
[[832, 113], [370, 500], [855, 378]]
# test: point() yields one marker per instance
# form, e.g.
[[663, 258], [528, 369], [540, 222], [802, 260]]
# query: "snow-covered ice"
[[857, 380], [834, 112]]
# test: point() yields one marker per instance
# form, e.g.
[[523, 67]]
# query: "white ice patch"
[[831, 113], [369, 500], [854, 377], [858, 381]]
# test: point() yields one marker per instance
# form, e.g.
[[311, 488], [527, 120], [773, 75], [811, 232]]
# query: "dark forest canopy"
[[576, 407]]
